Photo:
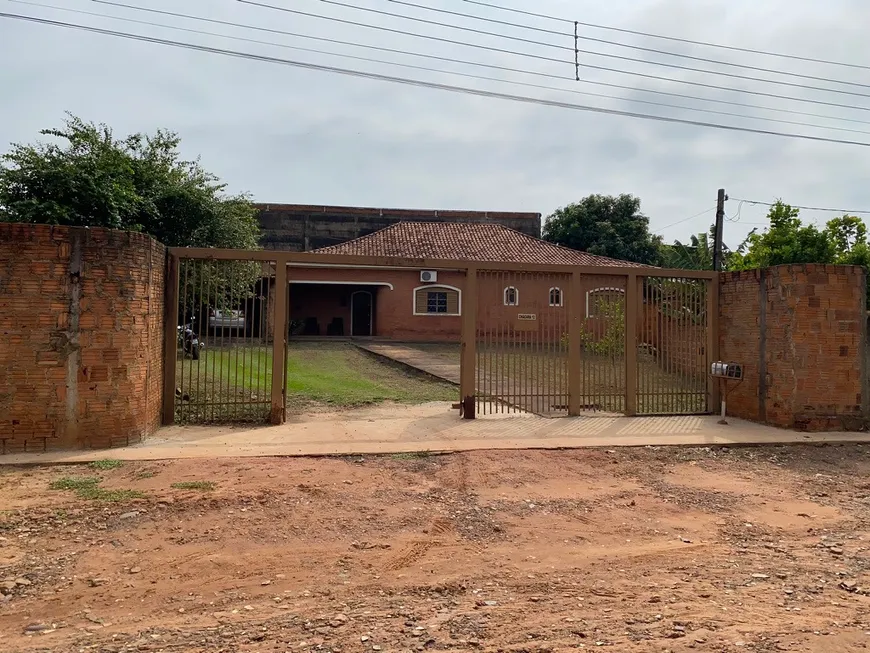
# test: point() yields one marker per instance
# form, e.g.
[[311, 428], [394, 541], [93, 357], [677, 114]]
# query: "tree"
[[697, 254], [788, 240], [88, 177], [606, 226]]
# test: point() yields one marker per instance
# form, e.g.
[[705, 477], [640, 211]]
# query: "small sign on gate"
[[526, 322]]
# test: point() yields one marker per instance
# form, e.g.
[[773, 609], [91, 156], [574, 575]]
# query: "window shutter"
[[420, 300], [452, 302]]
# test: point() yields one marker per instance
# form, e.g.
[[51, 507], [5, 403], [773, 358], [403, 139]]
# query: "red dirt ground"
[[756, 549]]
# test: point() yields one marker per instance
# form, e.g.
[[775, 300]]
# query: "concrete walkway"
[[435, 427], [415, 357]]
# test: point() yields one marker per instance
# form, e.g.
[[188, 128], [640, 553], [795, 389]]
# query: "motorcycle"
[[188, 341]]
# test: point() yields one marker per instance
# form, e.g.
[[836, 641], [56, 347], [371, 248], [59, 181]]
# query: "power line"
[[459, 61], [549, 59], [675, 39], [419, 83], [691, 217], [805, 208], [519, 39], [630, 46], [430, 69]]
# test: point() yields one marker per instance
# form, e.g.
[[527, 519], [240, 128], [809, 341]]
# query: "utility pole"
[[720, 220]]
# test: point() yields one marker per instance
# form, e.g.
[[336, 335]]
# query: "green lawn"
[[234, 383]]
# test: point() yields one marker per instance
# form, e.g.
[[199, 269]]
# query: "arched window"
[[555, 296], [601, 302], [437, 300], [511, 296]]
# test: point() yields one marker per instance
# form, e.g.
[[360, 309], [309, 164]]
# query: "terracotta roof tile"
[[465, 242]]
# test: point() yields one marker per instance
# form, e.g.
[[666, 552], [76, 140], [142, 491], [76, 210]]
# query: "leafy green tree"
[[607, 226], [787, 240], [697, 254], [86, 176]]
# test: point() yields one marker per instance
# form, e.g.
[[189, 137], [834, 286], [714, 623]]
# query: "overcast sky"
[[290, 135]]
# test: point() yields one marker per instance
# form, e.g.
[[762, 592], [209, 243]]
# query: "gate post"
[[468, 348], [631, 312], [712, 341], [576, 317], [170, 338], [279, 340]]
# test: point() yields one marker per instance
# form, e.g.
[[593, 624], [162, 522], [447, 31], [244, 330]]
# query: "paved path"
[[414, 357], [435, 427]]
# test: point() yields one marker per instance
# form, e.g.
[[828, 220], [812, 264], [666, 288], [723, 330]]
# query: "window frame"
[[597, 290], [435, 287], [561, 296], [504, 297]]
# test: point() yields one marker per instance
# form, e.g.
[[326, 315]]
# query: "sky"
[[286, 134]]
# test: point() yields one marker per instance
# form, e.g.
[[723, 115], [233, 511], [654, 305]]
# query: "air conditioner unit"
[[428, 276]]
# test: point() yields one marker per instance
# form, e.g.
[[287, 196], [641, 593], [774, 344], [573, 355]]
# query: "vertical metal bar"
[[279, 335], [184, 319], [225, 292], [170, 339], [631, 344], [575, 330], [468, 346], [233, 378], [262, 347], [202, 332], [712, 341]]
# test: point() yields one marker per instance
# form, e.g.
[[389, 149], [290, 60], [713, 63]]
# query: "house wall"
[[800, 333], [301, 228], [394, 308], [81, 323]]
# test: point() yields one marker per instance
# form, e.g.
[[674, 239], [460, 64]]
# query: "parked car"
[[226, 319]]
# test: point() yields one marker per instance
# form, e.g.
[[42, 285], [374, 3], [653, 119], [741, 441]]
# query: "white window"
[[511, 296], [600, 300], [555, 296]]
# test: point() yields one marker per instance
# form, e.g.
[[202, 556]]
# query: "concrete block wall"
[[302, 228], [81, 337], [800, 333]]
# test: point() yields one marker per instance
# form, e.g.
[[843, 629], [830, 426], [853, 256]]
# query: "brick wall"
[[81, 319], [799, 331]]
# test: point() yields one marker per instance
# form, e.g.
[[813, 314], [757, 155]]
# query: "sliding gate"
[[590, 343]]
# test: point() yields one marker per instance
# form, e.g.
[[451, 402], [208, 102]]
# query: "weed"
[[97, 493], [195, 485], [143, 475], [88, 487], [105, 464], [412, 455], [77, 483]]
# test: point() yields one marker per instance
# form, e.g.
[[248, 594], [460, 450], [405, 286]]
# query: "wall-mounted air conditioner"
[[428, 276]]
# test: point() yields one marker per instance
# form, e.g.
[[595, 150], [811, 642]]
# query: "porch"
[[337, 309]]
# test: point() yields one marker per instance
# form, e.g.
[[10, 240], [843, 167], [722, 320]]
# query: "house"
[[426, 305]]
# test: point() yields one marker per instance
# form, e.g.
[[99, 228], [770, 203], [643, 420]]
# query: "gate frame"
[[283, 260]]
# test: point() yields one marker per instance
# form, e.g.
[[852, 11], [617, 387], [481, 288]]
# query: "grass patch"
[[88, 487], [335, 374], [144, 475], [105, 464], [75, 483], [204, 486], [412, 455]]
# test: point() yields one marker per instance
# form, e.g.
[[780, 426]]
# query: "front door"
[[361, 313]]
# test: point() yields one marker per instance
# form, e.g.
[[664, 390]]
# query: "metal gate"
[[587, 342], [545, 339], [221, 347]]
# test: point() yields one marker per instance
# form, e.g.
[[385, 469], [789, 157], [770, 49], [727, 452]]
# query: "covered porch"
[[339, 309]]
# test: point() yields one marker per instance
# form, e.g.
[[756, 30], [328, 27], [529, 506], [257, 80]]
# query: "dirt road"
[[755, 549]]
